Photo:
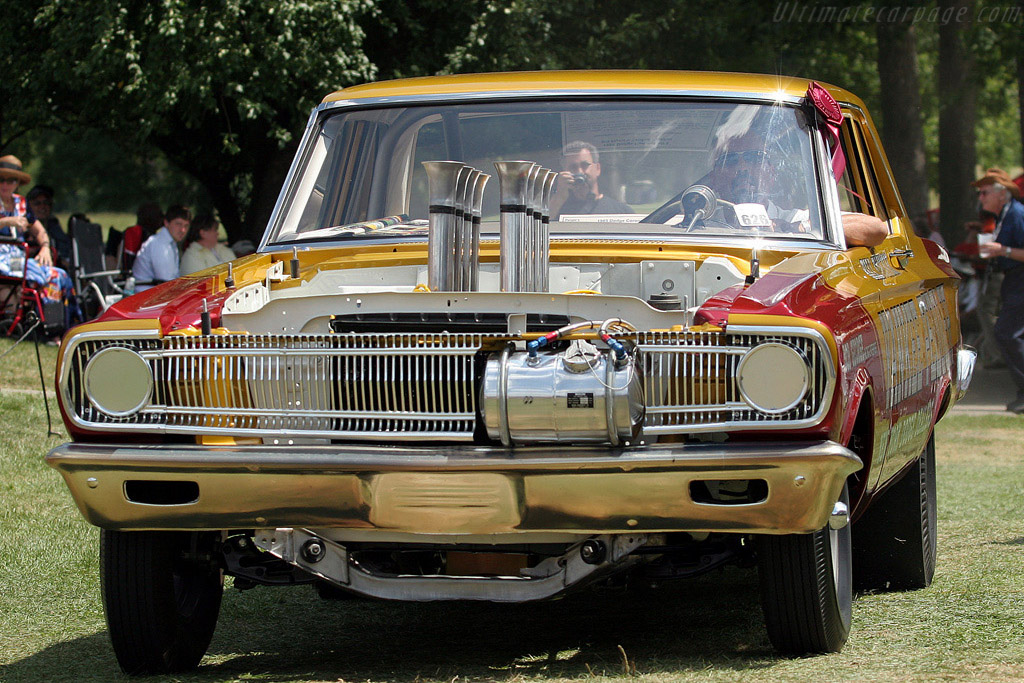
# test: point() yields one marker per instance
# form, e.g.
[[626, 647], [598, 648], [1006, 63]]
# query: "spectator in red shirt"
[[150, 219]]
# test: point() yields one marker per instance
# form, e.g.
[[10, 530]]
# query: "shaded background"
[[114, 102]]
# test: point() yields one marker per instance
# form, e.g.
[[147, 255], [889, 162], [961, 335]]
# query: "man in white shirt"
[[157, 261]]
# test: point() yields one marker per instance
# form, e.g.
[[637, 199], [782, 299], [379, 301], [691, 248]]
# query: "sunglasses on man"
[[578, 167]]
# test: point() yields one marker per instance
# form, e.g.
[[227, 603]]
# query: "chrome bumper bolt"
[[313, 550], [593, 552], [840, 516]]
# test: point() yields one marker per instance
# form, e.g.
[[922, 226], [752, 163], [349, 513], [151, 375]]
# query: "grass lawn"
[[967, 626]]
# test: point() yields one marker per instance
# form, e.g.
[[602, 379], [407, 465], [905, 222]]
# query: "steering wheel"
[[697, 203]]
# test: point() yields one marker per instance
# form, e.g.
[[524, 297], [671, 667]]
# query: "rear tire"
[[807, 589], [161, 601], [894, 542]]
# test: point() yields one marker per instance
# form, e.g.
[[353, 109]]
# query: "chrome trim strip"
[[555, 93], [289, 179], [767, 242]]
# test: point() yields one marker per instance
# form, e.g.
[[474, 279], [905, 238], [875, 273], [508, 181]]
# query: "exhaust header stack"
[[525, 193], [456, 203], [453, 247]]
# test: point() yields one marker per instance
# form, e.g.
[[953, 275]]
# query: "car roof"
[[592, 80]]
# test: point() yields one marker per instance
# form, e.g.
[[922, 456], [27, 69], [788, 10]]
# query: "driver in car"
[[744, 173]]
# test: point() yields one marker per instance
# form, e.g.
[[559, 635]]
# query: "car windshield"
[[629, 167]]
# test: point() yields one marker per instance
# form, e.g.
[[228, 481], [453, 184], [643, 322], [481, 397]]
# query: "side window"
[[877, 204], [858, 186]]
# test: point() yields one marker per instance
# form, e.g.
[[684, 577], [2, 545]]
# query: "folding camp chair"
[[97, 288]]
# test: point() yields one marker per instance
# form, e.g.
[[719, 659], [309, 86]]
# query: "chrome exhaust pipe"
[[443, 181], [544, 250], [476, 215], [513, 181], [463, 229], [532, 226]]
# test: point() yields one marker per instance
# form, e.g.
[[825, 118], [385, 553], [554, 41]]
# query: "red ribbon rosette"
[[827, 106]]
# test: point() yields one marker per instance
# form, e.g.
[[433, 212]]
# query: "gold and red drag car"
[[508, 335]]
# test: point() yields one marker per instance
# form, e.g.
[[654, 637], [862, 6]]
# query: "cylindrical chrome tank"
[[574, 395]]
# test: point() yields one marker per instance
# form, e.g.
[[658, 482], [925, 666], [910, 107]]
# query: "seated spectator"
[[149, 219], [112, 250], [16, 220], [204, 250], [40, 203], [158, 259]]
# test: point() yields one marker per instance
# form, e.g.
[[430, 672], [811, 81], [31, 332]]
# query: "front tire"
[[895, 542], [807, 589], [161, 597]]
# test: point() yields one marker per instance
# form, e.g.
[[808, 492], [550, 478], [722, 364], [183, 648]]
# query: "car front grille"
[[360, 386], [690, 381], [411, 386]]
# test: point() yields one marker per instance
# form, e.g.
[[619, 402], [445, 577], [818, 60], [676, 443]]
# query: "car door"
[[910, 301]]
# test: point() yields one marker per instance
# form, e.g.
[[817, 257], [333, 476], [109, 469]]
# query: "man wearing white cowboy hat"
[[998, 194]]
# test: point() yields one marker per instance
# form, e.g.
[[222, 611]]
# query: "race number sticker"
[[752, 215]]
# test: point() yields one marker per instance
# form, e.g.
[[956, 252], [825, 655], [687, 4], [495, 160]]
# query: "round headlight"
[[118, 381], [773, 377]]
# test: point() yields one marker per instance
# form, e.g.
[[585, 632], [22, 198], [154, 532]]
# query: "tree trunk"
[[957, 94], [902, 132], [266, 186]]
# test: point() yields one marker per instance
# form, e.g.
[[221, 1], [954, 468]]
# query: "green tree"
[[221, 88], [957, 115], [902, 115]]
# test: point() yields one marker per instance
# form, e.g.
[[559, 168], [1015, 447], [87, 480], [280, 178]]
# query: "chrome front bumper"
[[456, 490]]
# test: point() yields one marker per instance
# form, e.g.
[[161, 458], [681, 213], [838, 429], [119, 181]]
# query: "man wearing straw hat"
[[998, 194]]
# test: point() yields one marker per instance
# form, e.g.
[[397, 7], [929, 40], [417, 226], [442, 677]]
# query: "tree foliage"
[[223, 88]]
